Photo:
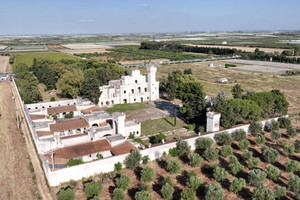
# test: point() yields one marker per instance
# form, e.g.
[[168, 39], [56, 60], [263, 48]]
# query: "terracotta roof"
[[33, 117], [82, 149], [69, 125], [123, 148], [91, 109], [44, 133], [61, 109]]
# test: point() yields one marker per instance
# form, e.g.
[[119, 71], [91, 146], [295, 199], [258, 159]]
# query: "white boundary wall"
[[107, 164]]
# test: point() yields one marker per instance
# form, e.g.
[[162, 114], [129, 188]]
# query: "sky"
[[18, 17]]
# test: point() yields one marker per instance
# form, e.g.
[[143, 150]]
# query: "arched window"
[[139, 88], [132, 91], [136, 81], [145, 89]]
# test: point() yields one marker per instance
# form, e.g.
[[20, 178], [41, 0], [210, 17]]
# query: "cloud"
[[86, 20], [144, 5]]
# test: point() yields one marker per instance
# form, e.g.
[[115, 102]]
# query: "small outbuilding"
[[222, 80]]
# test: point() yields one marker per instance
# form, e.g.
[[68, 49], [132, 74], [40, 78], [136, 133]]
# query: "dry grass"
[[78, 51], [4, 64], [48, 94]]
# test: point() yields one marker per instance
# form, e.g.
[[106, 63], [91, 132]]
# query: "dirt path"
[[40, 177], [4, 64], [15, 177]]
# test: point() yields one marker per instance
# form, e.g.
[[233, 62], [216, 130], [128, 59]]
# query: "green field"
[[127, 107], [27, 58], [151, 127]]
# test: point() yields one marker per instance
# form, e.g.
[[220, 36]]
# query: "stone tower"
[[153, 85], [118, 123], [212, 121]]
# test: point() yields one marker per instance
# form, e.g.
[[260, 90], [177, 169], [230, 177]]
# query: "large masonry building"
[[131, 89]]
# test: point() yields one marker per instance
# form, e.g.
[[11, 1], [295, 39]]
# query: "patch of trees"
[[177, 47]]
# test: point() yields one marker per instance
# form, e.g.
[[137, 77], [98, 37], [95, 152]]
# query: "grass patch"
[[127, 107], [27, 58], [151, 127]]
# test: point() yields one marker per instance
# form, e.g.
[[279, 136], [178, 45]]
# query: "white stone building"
[[131, 89]]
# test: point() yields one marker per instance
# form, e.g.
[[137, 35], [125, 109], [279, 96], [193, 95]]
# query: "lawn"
[[151, 127], [127, 107], [27, 58]]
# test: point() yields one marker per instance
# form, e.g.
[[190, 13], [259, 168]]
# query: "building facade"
[[130, 89]]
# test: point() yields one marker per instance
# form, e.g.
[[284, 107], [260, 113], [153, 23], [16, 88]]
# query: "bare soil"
[[15, 177], [78, 51], [4, 64]]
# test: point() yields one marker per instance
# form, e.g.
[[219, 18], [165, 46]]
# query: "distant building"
[[224, 43], [222, 80], [211, 65], [130, 89]]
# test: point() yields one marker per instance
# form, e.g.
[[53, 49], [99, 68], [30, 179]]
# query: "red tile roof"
[[89, 110], [69, 125], [44, 133], [33, 117], [123, 148], [82, 149], [61, 109]]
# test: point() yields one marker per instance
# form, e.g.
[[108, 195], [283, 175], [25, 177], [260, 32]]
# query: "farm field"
[[16, 181], [252, 81], [203, 172], [78, 51], [27, 58], [4, 64]]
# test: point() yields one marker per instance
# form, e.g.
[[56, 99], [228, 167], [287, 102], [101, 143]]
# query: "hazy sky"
[[123, 16]]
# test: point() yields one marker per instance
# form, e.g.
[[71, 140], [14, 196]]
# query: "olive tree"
[[253, 162], [288, 150], [269, 154], [239, 134], [237, 185], [173, 166], [244, 144], [273, 172], [234, 165], [188, 194], [66, 194], [195, 160], [292, 166], [226, 150], [203, 143], [279, 191], [92, 189], [284, 122], [275, 135], [224, 138], [147, 174], [257, 177], [220, 173], [211, 154], [297, 146], [260, 140], [246, 155], [294, 184], [183, 148], [118, 194], [255, 128], [167, 191], [122, 182], [193, 182], [143, 195], [133, 159], [291, 131], [214, 191], [262, 193]]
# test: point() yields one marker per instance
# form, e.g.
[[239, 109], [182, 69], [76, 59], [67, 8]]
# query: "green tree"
[[226, 150], [92, 189], [260, 140], [143, 195], [214, 191], [253, 162], [118, 166], [173, 166], [66, 194], [237, 91], [224, 138], [273, 172], [239, 135], [288, 150], [147, 174], [292, 166], [294, 184], [269, 154], [220, 173], [211, 154], [167, 191], [274, 126], [188, 194], [165, 180], [275, 135], [262, 193], [145, 160], [237, 185], [183, 148], [284, 122], [203, 143], [234, 165], [297, 146], [291, 132], [123, 182], [118, 194], [279, 191], [246, 155], [19, 68], [70, 83], [255, 128], [257, 177], [244, 144], [193, 182], [195, 160], [90, 86], [133, 159]]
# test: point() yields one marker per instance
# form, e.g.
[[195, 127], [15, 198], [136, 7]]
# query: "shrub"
[[273, 172], [69, 115], [145, 160], [194, 182], [234, 165], [226, 150], [246, 155], [144, 187], [297, 146], [203, 143], [143, 195], [294, 184], [118, 194], [195, 160], [167, 191], [123, 182], [269, 154], [92, 189], [224, 138], [211, 154], [284, 122], [291, 131], [139, 140], [74, 161], [288, 150], [52, 99], [239, 134], [257, 177], [253, 162], [220, 174], [190, 127], [214, 191], [165, 180], [118, 166], [255, 128], [188, 194], [279, 191], [237, 185], [283, 143], [292, 166], [274, 125], [54, 116], [275, 135], [173, 152], [244, 144], [157, 138], [67, 194], [262, 193], [147, 174], [173, 166], [260, 140], [183, 148], [133, 159]]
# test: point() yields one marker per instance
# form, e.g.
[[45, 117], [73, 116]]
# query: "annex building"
[[130, 89]]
